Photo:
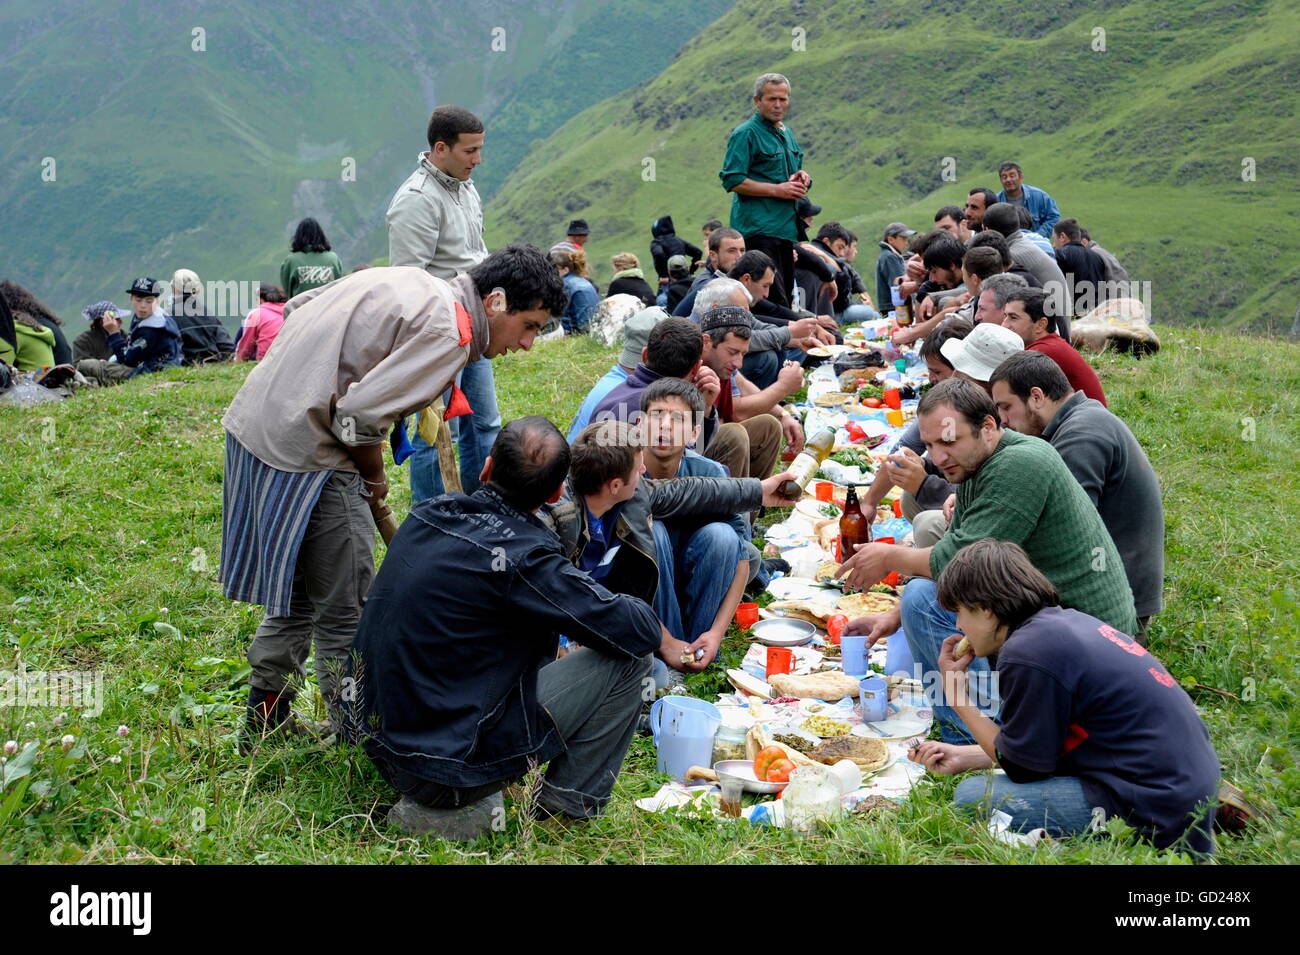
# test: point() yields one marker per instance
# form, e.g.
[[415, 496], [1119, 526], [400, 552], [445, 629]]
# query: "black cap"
[[722, 316], [806, 207], [145, 286], [578, 227]]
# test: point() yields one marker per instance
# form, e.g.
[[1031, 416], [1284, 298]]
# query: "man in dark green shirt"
[[1009, 487], [763, 169]]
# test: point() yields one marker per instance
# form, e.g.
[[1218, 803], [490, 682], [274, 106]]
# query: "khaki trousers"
[[747, 448]]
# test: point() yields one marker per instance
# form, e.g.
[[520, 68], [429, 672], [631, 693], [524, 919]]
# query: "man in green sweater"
[[763, 169], [1009, 487]]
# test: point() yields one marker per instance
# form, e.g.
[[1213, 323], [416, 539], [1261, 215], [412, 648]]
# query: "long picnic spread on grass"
[[815, 713]]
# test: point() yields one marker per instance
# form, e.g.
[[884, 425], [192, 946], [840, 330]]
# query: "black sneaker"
[[271, 714]]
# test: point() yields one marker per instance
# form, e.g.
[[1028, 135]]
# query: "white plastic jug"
[[683, 729]]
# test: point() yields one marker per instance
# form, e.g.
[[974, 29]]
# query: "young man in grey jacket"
[[435, 223], [1034, 397]]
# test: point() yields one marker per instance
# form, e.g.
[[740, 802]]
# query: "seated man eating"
[[459, 692], [1009, 487], [1090, 720], [666, 542]]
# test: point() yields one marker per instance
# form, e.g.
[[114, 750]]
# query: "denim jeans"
[[1057, 804], [927, 626], [762, 367], [474, 435], [857, 313], [696, 568]]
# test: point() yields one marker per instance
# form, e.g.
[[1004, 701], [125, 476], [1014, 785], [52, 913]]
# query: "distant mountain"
[[1168, 127], [142, 137]]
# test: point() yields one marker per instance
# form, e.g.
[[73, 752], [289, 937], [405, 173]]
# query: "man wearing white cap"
[[1012, 488], [976, 356]]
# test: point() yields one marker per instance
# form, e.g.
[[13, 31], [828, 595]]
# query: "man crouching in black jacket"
[[459, 692]]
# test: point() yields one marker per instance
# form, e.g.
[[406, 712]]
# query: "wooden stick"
[[385, 521], [446, 457]]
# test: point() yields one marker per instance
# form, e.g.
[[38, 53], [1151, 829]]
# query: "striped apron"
[[264, 516]]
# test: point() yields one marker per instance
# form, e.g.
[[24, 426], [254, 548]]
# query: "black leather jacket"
[[634, 570]]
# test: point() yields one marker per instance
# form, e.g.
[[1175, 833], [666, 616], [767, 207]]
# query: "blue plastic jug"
[[683, 729]]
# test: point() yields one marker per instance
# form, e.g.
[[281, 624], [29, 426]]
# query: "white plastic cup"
[[847, 775]]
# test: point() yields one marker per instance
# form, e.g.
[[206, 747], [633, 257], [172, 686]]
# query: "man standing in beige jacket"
[[305, 437]]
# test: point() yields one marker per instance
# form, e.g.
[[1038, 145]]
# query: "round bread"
[[869, 754], [826, 572], [832, 399], [866, 604]]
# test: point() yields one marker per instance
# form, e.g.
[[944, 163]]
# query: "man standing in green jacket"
[[763, 169], [1009, 487]]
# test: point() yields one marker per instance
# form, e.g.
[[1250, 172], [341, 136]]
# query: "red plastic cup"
[[884, 540], [824, 490], [835, 627], [779, 660], [892, 398], [746, 616]]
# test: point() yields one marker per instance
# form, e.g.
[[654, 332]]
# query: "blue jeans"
[[1057, 804], [927, 626], [474, 435], [696, 568], [857, 313], [761, 367]]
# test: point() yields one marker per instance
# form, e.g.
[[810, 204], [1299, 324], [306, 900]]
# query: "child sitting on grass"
[[1089, 719]]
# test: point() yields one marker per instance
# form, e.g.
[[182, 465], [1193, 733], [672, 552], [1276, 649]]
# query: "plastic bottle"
[[815, 450]]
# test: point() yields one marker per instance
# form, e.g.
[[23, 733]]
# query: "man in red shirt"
[[1023, 314]]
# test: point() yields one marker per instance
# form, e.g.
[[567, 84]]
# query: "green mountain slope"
[[1145, 142], [167, 156]]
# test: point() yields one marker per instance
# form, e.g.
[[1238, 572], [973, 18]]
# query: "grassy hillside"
[[110, 510], [167, 156], [1143, 142]]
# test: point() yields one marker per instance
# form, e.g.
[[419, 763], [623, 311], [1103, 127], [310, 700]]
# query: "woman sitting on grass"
[[262, 324], [1089, 717]]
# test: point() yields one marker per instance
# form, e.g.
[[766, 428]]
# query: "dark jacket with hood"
[[666, 244], [155, 344]]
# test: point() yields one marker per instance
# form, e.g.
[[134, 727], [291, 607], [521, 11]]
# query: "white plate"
[[908, 722], [809, 507]]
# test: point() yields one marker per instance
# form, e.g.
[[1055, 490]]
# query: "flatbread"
[[866, 604], [833, 399], [830, 686], [869, 754], [826, 572], [816, 614]]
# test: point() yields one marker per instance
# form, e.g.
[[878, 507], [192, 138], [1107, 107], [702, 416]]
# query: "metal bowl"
[[743, 770], [783, 632]]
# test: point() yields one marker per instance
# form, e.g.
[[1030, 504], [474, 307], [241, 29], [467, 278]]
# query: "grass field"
[[109, 537]]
